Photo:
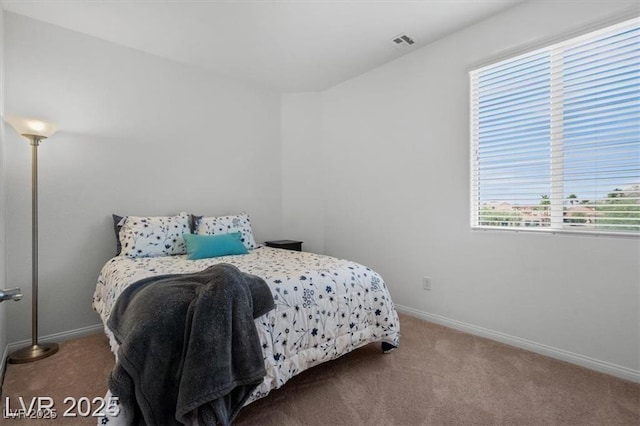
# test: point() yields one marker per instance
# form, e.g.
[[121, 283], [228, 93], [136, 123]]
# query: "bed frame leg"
[[387, 347]]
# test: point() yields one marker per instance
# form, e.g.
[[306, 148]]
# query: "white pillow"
[[226, 225], [154, 236]]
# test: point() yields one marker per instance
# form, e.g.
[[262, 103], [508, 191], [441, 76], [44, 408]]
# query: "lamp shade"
[[31, 126]]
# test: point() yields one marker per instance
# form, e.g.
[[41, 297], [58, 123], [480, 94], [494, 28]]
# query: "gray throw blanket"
[[189, 349]]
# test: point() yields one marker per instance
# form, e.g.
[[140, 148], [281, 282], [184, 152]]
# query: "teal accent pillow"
[[205, 246]]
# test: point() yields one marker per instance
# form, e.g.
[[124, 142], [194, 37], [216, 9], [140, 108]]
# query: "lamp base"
[[33, 353]]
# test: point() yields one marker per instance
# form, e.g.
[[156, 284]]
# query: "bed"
[[324, 307]]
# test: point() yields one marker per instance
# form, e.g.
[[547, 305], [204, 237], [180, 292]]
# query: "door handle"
[[11, 294]]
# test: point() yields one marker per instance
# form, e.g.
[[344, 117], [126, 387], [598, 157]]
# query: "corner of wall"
[[303, 206]]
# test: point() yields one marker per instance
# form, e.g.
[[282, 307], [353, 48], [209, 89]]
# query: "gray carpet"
[[438, 376]]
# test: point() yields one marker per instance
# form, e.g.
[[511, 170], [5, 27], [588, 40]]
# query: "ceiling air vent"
[[402, 41]]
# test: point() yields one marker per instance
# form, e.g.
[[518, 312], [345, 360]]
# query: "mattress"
[[325, 307]]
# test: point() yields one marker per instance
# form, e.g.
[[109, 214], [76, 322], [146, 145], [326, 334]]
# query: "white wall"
[[395, 166], [3, 309], [138, 135], [303, 189]]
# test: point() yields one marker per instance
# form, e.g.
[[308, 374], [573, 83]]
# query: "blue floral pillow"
[[154, 236], [226, 225]]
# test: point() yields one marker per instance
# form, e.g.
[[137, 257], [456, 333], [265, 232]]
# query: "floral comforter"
[[325, 307]]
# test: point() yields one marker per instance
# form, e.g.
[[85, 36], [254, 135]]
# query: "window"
[[555, 137]]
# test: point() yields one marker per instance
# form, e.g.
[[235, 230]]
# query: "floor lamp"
[[35, 131]]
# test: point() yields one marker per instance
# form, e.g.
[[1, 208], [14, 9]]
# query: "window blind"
[[555, 136]]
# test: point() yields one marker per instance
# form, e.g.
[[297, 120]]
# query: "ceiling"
[[289, 46]]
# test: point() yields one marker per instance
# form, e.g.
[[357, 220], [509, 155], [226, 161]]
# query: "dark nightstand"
[[285, 244]]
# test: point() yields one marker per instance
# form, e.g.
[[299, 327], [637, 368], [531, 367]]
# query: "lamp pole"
[[35, 141], [36, 351]]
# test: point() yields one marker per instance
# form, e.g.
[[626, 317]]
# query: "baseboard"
[[560, 354], [59, 337]]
